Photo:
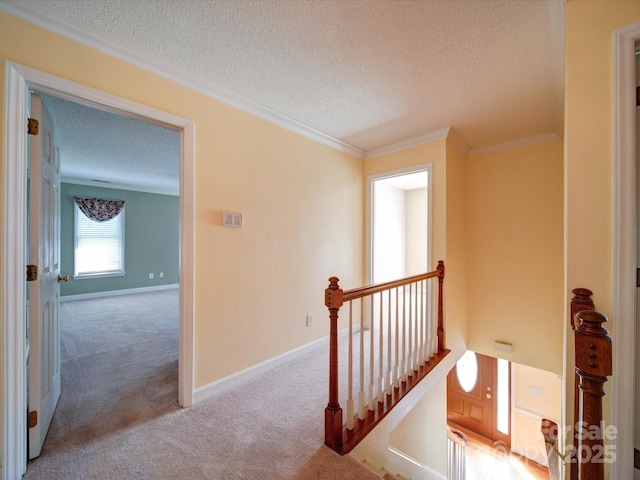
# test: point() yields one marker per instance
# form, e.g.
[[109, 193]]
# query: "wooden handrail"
[[343, 439], [360, 292]]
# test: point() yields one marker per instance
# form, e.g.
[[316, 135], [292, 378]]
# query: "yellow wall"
[[302, 206], [515, 245], [448, 222], [588, 156], [589, 142]]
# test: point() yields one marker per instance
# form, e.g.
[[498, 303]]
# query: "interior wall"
[[457, 286], [151, 238], [417, 231], [389, 239], [420, 434], [449, 203], [589, 67], [515, 240], [537, 394], [302, 204]]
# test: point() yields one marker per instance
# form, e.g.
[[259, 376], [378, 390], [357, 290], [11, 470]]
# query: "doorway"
[[19, 80], [399, 239], [108, 165], [478, 396]]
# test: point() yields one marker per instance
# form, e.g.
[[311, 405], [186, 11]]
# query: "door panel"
[[470, 393], [44, 293]]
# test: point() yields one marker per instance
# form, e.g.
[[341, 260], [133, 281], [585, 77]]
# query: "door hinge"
[[32, 273], [33, 419], [32, 126], [636, 458]]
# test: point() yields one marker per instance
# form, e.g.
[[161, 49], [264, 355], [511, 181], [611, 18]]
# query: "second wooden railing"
[[394, 337]]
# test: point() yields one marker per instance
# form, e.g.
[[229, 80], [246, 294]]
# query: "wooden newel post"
[[333, 299], [440, 269], [581, 301], [593, 366]]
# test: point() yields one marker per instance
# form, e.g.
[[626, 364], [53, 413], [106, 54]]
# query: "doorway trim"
[[19, 80], [624, 247], [423, 167]]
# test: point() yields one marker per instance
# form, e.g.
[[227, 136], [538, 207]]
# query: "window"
[[99, 246]]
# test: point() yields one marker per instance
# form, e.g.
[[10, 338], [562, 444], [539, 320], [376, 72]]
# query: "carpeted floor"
[[118, 416]]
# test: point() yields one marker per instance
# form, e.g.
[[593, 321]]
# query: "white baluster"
[[350, 412], [381, 351], [396, 373], [423, 328], [371, 400], [410, 340], [389, 377], [362, 399], [404, 334]]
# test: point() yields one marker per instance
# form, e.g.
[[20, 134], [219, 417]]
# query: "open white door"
[[44, 292]]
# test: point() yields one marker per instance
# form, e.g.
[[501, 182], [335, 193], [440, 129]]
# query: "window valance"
[[99, 210]]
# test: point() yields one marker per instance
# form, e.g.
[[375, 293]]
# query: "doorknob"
[[63, 279], [488, 395]]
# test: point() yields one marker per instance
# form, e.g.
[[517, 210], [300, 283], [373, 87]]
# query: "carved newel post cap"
[[590, 322]]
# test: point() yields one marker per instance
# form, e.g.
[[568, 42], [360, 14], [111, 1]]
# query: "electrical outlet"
[[151, 276], [161, 274], [309, 320]]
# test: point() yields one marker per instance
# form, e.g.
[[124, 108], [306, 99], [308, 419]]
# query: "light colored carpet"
[[118, 416]]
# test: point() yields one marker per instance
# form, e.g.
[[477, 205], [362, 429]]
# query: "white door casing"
[[18, 79], [44, 292], [624, 249]]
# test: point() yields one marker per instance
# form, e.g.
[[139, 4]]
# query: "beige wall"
[[302, 204], [423, 432], [448, 222], [515, 254], [536, 395], [588, 158], [417, 231]]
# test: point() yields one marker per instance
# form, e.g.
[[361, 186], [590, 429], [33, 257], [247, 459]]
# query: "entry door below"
[[470, 393]]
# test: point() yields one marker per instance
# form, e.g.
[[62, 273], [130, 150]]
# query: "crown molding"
[[54, 20], [120, 186], [455, 138], [409, 143], [517, 143]]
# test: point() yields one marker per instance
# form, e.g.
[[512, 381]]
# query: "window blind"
[[99, 246]]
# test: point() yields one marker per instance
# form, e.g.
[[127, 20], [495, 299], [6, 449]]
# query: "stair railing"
[[593, 366], [456, 456], [395, 337]]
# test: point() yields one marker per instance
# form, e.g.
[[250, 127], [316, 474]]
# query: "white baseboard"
[[112, 293], [238, 378], [530, 456]]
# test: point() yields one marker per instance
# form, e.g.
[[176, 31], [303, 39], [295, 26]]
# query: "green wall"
[[151, 239]]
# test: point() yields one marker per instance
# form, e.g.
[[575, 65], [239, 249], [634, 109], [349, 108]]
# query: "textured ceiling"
[[367, 73], [101, 146]]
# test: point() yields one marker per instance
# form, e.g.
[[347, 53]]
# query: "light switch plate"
[[231, 220]]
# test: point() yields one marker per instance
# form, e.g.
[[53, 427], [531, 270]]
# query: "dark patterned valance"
[[99, 210]]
